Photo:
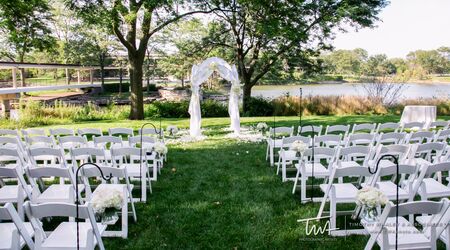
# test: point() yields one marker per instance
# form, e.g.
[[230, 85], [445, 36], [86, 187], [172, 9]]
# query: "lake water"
[[411, 90]]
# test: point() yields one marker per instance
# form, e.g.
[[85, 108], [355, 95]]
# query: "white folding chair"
[[420, 137], [342, 193], [152, 132], [442, 224], [427, 153], [118, 174], [64, 236], [273, 143], [317, 130], [16, 234], [12, 143], [89, 133], [364, 128], [442, 135], [407, 175], [54, 192], [33, 132], [71, 141], [402, 152], [391, 138], [148, 143], [80, 156], [439, 125], [60, 132], [360, 139], [40, 141], [107, 142], [383, 231], [328, 140], [287, 156], [306, 169], [16, 189], [136, 168], [338, 129], [9, 132], [427, 186], [353, 156], [388, 127], [48, 157], [412, 126], [123, 133]]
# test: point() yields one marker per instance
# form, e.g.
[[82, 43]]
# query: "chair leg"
[[303, 180], [295, 181], [332, 214]]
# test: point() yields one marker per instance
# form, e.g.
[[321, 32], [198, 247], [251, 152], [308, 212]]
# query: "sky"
[[406, 25]]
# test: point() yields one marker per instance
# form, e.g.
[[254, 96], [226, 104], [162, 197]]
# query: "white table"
[[413, 113]]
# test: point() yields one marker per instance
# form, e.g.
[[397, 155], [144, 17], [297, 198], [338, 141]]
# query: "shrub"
[[258, 106], [152, 87], [211, 108], [115, 87]]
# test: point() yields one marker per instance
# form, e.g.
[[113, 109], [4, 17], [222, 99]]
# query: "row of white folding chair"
[[55, 132], [36, 192], [120, 181], [434, 226], [422, 184], [18, 233]]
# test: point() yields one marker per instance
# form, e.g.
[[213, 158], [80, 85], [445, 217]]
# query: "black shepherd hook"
[[312, 156], [373, 171], [142, 148], [300, 108], [77, 201]]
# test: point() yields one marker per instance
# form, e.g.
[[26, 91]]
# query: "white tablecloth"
[[424, 114]]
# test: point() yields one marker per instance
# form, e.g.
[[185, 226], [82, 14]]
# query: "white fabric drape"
[[413, 113], [200, 74]]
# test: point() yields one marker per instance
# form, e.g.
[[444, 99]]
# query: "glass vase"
[[109, 217], [370, 214]]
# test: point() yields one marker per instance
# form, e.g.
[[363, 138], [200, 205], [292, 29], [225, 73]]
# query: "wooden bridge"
[[7, 94]]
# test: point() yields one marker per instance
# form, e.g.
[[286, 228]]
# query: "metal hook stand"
[[142, 149], [300, 108], [77, 201], [373, 171], [312, 157]]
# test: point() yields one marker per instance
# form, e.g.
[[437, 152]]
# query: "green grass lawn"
[[222, 194]]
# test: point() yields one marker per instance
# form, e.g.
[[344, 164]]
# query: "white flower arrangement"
[[236, 89], [262, 126], [299, 146], [213, 66], [160, 148], [172, 129], [104, 198], [370, 197]]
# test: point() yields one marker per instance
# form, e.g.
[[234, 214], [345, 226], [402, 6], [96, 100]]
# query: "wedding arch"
[[200, 73]]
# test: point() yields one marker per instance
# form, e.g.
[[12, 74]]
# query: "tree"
[[24, 22], [432, 61], [186, 37], [349, 62], [379, 65], [264, 32], [134, 23]]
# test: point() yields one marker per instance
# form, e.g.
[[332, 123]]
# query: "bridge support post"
[[91, 76], [14, 77], [6, 108], [79, 77]]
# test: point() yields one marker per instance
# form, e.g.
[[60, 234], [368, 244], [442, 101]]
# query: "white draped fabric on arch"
[[200, 73]]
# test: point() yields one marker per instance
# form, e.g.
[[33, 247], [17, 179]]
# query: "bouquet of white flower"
[[104, 198], [261, 126], [299, 146], [370, 197], [172, 129], [160, 148]]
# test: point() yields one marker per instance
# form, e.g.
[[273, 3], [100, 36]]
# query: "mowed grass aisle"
[[221, 194]]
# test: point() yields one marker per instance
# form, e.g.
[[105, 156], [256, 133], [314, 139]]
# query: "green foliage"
[[432, 61], [258, 106], [25, 26], [211, 108], [115, 87]]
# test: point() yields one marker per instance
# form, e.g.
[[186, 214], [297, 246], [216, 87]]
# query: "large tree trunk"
[[136, 74], [22, 77], [247, 92]]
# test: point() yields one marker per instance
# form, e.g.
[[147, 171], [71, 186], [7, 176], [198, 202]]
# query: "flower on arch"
[[213, 66]]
